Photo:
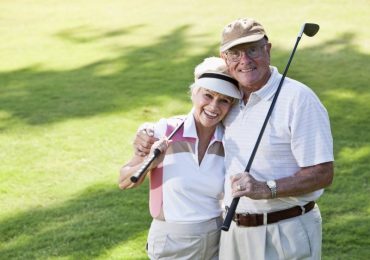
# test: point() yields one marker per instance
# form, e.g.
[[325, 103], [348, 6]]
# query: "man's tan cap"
[[242, 30]]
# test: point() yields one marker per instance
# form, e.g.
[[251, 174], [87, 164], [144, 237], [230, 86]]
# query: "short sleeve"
[[312, 142], [160, 128]]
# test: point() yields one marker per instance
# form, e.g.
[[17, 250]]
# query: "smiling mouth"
[[210, 114], [247, 70]]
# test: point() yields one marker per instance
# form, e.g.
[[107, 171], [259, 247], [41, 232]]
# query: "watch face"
[[271, 184]]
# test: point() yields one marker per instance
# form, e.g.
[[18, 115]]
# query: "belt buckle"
[[247, 216], [237, 217], [251, 220]]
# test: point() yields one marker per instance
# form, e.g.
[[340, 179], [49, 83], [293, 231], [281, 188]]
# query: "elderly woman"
[[187, 181]]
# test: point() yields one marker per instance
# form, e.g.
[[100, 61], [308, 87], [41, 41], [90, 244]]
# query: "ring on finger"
[[240, 187]]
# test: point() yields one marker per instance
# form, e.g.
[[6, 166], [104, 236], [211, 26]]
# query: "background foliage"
[[78, 77]]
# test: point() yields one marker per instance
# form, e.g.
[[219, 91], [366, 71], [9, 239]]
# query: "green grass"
[[78, 77]]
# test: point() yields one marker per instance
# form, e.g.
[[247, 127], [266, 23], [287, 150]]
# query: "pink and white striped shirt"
[[187, 192]]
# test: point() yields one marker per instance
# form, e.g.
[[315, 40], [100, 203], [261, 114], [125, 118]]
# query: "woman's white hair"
[[210, 64]]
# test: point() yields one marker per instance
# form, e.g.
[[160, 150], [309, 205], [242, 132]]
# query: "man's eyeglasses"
[[253, 52]]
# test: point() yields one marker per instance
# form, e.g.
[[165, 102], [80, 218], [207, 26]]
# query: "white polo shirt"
[[297, 135], [191, 192]]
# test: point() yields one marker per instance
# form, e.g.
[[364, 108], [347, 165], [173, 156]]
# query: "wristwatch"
[[272, 185]]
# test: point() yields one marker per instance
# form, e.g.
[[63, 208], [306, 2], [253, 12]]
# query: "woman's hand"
[[162, 145]]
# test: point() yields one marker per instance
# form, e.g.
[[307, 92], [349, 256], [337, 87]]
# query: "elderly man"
[[277, 217]]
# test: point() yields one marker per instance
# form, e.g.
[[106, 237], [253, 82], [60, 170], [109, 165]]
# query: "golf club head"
[[309, 29]]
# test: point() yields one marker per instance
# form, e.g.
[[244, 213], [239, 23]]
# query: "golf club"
[[309, 29], [143, 169]]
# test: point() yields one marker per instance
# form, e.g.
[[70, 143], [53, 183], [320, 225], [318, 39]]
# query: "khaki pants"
[[184, 241], [294, 238]]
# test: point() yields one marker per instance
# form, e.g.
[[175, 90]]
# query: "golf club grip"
[[139, 173], [143, 169], [230, 213]]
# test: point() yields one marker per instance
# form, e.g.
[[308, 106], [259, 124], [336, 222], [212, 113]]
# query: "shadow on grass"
[[84, 34], [99, 219], [136, 78]]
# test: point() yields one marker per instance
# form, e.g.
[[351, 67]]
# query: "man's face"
[[249, 64]]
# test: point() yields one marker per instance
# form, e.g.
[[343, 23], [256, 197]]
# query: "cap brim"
[[247, 39], [220, 86]]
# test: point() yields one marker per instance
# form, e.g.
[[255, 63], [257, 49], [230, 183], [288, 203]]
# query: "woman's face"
[[210, 107]]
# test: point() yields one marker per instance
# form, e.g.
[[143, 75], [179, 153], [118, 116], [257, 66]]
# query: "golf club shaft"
[[144, 168], [234, 204]]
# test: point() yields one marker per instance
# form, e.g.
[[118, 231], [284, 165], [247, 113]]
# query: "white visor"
[[219, 83]]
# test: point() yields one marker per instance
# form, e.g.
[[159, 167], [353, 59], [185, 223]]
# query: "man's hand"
[[144, 139], [243, 184], [306, 180]]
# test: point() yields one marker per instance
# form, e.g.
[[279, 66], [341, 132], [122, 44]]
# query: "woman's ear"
[[223, 56]]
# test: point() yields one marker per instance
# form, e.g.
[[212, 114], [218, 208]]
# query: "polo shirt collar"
[[190, 129], [268, 90]]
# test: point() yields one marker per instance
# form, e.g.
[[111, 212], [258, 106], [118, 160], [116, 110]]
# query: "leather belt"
[[253, 220]]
